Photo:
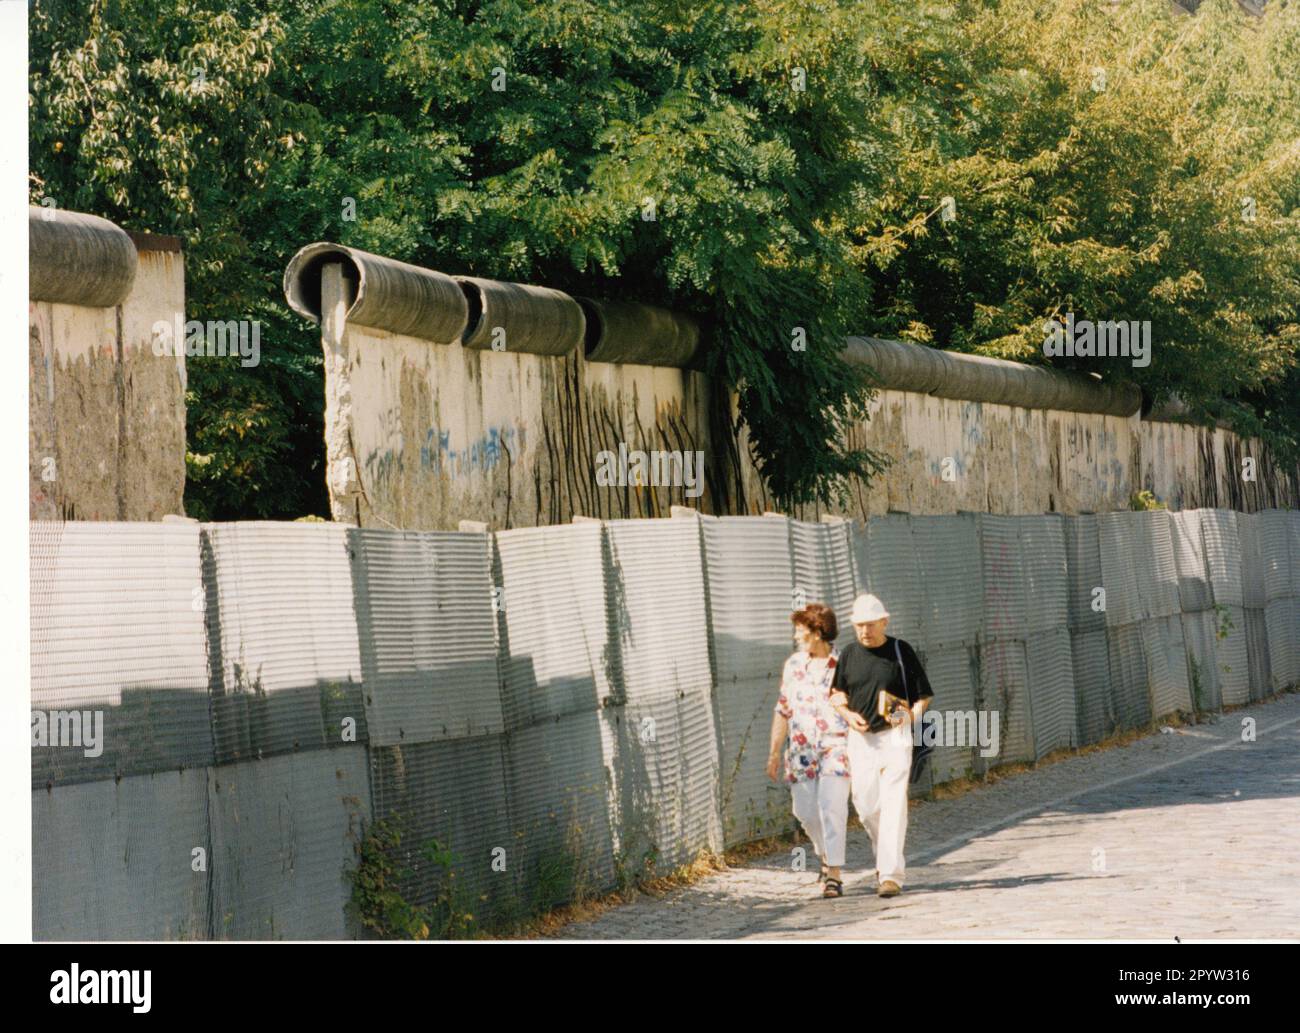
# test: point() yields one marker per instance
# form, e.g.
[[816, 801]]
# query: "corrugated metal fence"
[[559, 708]]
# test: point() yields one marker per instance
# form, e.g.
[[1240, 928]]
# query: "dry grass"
[[579, 911], [705, 863], [743, 853]]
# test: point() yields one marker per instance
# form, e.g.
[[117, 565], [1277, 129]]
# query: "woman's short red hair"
[[819, 619]]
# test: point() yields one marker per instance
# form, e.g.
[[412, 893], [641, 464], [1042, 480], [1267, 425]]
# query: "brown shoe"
[[889, 889]]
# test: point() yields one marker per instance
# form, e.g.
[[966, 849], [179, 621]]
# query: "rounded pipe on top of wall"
[[994, 381], [523, 318], [646, 335], [976, 378], [78, 259], [923, 370], [386, 294], [1172, 409]]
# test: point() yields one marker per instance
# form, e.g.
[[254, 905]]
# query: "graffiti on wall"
[[439, 456]]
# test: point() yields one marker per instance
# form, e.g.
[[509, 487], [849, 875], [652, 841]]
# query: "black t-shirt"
[[862, 673]]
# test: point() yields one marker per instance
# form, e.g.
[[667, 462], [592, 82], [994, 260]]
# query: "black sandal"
[[833, 888]]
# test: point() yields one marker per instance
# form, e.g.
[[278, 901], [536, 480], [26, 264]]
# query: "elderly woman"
[[815, 739]]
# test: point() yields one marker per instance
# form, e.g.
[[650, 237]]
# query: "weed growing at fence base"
[[378, 903]]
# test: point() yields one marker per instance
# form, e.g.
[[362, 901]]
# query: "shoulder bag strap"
[[898, 652]]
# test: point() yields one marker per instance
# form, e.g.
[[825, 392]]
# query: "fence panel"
[[1004, 689], [1050, 672], [1124, 558], [951, 578], [1042, 540], [448, 797], [561, 838], [1005, 609], [1222, 555], [1194, 591], [1083, 573], [822, 558], [656, 577], [895, 576], [1159, 589], [555, 626], [119, 666], [1293, 522], [1282, 624], [1258, 661], [1094, 701], [427, 635], [953, 677], [1274, 527], [114, 860], [285, 832], [750, 579], [750, 584], [1253, 573], [1203, 674], [285, 658], [1232, 656], [1166, 656], [1129, 678]]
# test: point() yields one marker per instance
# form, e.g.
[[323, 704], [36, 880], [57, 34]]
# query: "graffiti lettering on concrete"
[[439, 457], [380, 465], [480, 456]]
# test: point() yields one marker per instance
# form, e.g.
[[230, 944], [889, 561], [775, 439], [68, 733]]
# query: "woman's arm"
[[780, 729], [840, 704]]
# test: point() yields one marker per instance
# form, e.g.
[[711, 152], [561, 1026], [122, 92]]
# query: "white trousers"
[[822, 807], [881, 763]]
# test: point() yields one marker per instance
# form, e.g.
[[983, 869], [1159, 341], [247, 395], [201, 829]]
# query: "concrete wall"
[[441, 433], [107, 416], [426, 426], [423, 434], [1022, 461]]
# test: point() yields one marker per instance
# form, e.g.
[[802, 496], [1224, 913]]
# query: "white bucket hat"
[[867, 608]]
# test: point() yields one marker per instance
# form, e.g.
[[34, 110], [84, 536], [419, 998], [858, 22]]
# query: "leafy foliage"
[[164, 118], [1122, 164], [377, 902], [797, 157]]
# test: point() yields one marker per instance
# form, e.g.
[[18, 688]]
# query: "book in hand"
[[887, 703]]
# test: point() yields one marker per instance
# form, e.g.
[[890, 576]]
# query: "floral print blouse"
[[818, 737]]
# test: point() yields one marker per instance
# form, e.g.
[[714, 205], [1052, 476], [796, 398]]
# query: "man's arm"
[[840, 701], [919, 680]]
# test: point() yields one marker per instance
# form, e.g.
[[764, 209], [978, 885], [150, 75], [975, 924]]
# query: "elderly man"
[[880, 689]]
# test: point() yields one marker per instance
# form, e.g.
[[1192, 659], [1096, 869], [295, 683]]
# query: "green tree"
[[1101, 158], [797, 155], [742, 125], [163, 118]]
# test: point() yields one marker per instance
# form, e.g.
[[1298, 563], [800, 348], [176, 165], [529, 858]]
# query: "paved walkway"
[[1191, 833]]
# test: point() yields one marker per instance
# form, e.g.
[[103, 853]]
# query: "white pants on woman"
[[822, 807], [881, 763]]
